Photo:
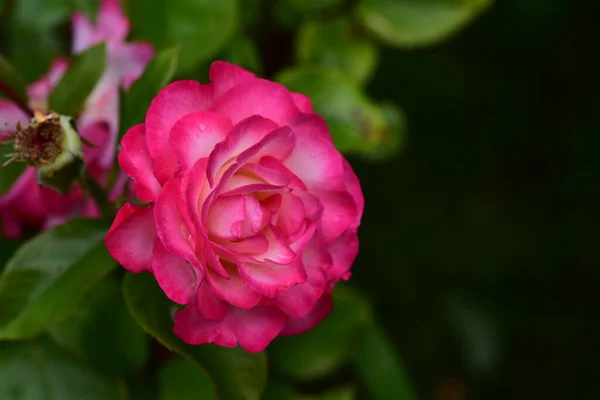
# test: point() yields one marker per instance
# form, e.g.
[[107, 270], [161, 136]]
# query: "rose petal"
[[271, 279], [299, 300], [343, 252], [209, 306], [339, 213], [135, 160], [195, 135], [302, 102], [241, 137], [175, 276], [296, 326], [131, 237], [353, 186], [225, 76], [171, 104], [253, 329], [258, 97], [315, 160], [233, 290], [170, 224]]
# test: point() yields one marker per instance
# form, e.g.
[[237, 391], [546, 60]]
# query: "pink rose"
[[253, 212], [28, 206]]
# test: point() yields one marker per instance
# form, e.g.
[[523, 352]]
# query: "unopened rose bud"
[[51, 144]]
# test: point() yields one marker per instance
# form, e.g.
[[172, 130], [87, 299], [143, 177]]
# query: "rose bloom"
[[26, 205], [253, 213]]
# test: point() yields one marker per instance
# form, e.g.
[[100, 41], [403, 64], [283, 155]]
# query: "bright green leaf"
[[102, 332], [379, 367], [10, 77], [41, 371], [183, 379], [236, 373], [136, 101], [337, 44], [413, 23], [10, 172], [69, 95], [357, 125], [243, 52], [49, 274], [200, 27], [327, 347]]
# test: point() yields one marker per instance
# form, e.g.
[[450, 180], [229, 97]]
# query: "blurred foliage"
[[478, 270]]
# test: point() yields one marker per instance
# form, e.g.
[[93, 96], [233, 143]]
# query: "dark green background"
[[480, 241]]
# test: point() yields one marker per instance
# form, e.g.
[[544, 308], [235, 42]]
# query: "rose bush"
[[252, 216], [27, 205]]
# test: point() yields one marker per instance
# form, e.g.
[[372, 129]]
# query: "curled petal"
[[243, 136], [339, 213], [258, 97], [253, 329], [135, 160], [171, 225], [130, 239], [343, 252], [271, 279], [171, 104], [299, 300], [233, 290], [176, 277], [195, 135], [353, 186]]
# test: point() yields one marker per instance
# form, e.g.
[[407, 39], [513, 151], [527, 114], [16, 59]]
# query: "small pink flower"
[[28, 206], [254, 213]]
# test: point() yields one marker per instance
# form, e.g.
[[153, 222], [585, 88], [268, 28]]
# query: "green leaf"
[[41, 371], [10, 77], [327, 347], [357, 125], [183, 379], [337, 44], [11, 172], [242, 51], [49, 274], [236, 373], [200, 27], [102, 332], [380, 369], [136, 101], [413, 23], [69, 95]]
